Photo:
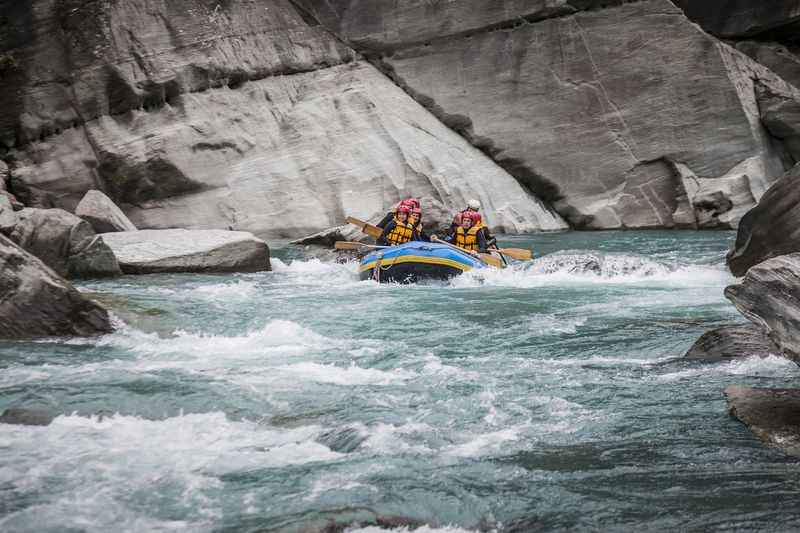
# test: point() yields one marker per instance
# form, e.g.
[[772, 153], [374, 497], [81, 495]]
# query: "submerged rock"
[[36, 302], [728, 342], [769, 296], [179, 250], [771, 228], [105, 217], [773, 415], [26, 417]]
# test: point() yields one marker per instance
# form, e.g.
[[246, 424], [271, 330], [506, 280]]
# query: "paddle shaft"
[[348, 245]]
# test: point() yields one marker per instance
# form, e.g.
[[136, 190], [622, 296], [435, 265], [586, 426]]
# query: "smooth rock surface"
[[744, 18], [179, 250], [769, 296], [4, 175], [773, 415], [286, 157], [52, 235], [729, 342], [771, 228], [593, 111], [95, 259], [36, 302], [105, 217]]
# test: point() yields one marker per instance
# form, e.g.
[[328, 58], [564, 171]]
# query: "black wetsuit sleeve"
[[422, 236], [382, 240], [483, 245], [388, 218]]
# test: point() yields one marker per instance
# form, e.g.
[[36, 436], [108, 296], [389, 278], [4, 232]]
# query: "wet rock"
[[26, 417], [728, 342], [36, 302], [52, 235], [771, 228], [744, 18], [769, 296], [580, 108], [94, 260], [8, 218], [5, 174], [178, 250], [773, 415], [105, 217]]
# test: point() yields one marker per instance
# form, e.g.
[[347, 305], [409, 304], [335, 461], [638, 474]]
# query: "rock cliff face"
[[607, 112], [232, 115]]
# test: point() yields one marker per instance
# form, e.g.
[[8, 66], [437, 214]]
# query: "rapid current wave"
[[551, 396]]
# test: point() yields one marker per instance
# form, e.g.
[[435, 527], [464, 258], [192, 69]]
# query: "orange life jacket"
[[468, 240], [401, 233]]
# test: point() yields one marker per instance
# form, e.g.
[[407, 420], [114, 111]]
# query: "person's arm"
[[382, 240], [483, 245], [388, 218], [422, 236]]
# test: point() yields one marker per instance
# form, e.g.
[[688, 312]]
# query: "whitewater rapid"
[[551, 395]]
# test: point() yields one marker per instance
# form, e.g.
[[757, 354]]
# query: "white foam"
[[595, 268], [237, 291], [485, 443], [352, 375], [771, 366], [100, 462], [422, 529]]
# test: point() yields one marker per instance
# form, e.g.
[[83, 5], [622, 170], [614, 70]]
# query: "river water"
[[546, 398]]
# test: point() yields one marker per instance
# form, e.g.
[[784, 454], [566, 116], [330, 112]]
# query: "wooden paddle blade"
[[347, 245], [491, 260], [365, 227], [520, 254]]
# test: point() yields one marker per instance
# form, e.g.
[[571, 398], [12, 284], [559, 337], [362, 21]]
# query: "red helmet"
[[476, 217], [413, 202], [403, 209], [466, 215], [417, 211]]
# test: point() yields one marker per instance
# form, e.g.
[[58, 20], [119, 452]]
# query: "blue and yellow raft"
[[417, 261]]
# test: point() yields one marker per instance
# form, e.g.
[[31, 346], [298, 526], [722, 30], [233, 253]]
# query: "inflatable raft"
[[417, 261]]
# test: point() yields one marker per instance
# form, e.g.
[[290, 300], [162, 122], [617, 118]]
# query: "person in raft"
[[471, 234], [400, 230], [473, 206], [415, 218], [411, 203]]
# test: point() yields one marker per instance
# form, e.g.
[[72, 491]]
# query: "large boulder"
[[52, 235], [105, 217], [771, 228], [36, 302], [769, 296], [179, 250], [729, 342], [773, 415], [612, 127], [780, 113], [94, 259]]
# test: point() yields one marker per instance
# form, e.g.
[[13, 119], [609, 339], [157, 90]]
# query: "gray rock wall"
[[623, 117], [233, 115]]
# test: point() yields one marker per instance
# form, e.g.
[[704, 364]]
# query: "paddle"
[[348, 245], [520, 254], [366, 227], [486, 258]]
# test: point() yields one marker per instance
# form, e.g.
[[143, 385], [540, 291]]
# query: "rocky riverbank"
[[767, 253]]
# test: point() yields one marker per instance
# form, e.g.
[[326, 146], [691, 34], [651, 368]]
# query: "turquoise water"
[[551, 397]]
